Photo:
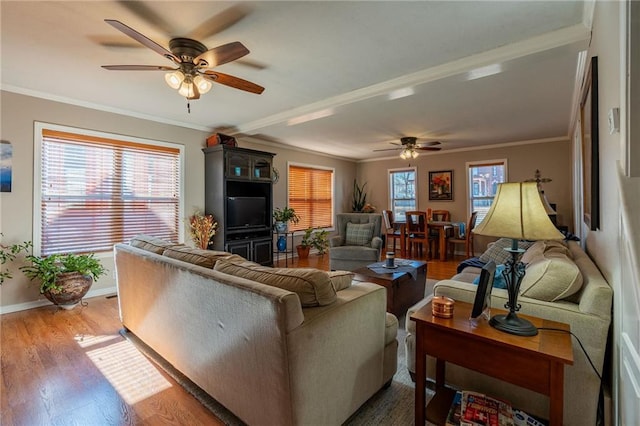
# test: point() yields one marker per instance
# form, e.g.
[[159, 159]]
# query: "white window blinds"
[[96, 192]]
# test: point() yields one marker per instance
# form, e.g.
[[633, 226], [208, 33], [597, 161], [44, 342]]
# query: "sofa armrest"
[[336, 241], [376, 243], [336, 346]]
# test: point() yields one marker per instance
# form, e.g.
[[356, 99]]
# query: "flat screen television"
[[246, 212]]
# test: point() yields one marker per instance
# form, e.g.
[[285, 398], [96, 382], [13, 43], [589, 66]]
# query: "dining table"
[[443, 228]]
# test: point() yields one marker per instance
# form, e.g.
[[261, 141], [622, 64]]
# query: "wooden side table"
[[535, 363]]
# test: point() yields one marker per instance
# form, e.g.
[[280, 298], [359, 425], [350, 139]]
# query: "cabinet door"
[[239, 166], [241, 248], [262, 169], [262, 251]]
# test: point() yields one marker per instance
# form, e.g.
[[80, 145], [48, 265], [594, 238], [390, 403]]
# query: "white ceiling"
[[317, 57]]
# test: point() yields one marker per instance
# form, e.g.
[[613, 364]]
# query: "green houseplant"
[[64, 278], [359, 197], [320, 241], [282, 216], [305, 244]]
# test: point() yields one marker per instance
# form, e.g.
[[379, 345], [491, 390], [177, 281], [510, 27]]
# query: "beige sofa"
[[588, 311], [254, 347]]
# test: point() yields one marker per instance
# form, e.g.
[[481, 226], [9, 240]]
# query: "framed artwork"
[[590, 157], [441, 185], [6, 158]]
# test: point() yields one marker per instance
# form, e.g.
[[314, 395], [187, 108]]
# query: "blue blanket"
[[474, 261]]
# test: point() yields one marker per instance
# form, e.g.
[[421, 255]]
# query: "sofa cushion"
[[340, 279], [149, 243], [206, 258], [312, 286], [551, 277], [359, 234], [497, 252], [545, 246]]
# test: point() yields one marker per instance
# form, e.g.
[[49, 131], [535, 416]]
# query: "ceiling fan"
[[192, 75], [409, 146]]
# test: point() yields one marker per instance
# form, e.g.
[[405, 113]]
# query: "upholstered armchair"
[[358, 242]]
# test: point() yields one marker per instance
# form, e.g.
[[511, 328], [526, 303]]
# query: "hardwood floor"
[[74, 368]]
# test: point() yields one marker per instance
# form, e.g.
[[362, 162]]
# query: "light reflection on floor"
[[132, 375]]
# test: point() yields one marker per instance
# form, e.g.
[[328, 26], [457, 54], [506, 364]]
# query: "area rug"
[[393, 406]]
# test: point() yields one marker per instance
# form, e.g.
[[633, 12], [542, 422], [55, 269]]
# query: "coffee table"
[[402, 290]]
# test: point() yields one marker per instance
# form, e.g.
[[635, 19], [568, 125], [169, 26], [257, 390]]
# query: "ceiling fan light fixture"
[[202, 83], [174, 79], [188, 89]]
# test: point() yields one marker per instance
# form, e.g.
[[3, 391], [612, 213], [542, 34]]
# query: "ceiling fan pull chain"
[[188, 107]]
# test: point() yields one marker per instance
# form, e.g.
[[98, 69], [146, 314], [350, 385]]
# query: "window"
[[311, 196], [484, 178], [402, 192], [95, 190]]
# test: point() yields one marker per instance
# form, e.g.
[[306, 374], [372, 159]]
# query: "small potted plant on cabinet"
[[282, 217], [305, 244]]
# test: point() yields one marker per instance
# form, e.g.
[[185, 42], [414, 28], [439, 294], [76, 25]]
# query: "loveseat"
[[312, 354], [564, 285]]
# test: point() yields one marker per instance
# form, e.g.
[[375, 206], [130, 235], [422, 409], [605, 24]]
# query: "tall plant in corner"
[[359, 197]]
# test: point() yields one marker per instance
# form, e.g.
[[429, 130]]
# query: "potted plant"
[[64, 278], [282, 217], [359, 197], [305, 244], [320, 241]]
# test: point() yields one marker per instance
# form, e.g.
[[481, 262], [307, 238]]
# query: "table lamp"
[[518, 213]]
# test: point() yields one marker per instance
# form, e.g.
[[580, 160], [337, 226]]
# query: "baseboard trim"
[[44, 302]]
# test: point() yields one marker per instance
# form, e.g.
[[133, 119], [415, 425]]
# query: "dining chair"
[[467, 240], [417, 234], [441, 215], [393, 231]]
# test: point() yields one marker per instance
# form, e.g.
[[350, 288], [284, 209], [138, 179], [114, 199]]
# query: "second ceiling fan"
[[409, 146]]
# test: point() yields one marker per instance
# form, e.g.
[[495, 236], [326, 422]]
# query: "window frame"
[[333, 192], [469, 186], [38, 140], [413, 169]]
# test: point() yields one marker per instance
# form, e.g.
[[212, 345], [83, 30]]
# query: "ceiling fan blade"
[[387, 149], [142, 39], [222, 54], [219, 22], [428, 148], [235, 82], [137, 68], [144, 12]]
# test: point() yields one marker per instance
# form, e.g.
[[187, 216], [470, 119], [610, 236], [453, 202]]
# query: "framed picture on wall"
[[441, 185], [590, 155]]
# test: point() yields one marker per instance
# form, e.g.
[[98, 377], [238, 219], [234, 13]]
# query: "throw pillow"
[[312, 286], [205, 258], [551, 277], [497, 252], [341, 279], [498, 278], [359, 234], [149, 243]]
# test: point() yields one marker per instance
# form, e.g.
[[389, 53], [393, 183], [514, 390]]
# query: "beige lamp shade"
[[518, 212]]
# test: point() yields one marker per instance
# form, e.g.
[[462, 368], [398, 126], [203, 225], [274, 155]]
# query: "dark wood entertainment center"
[[242, 173]]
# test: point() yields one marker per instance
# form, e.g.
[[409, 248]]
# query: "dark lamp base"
[[513, 324]]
